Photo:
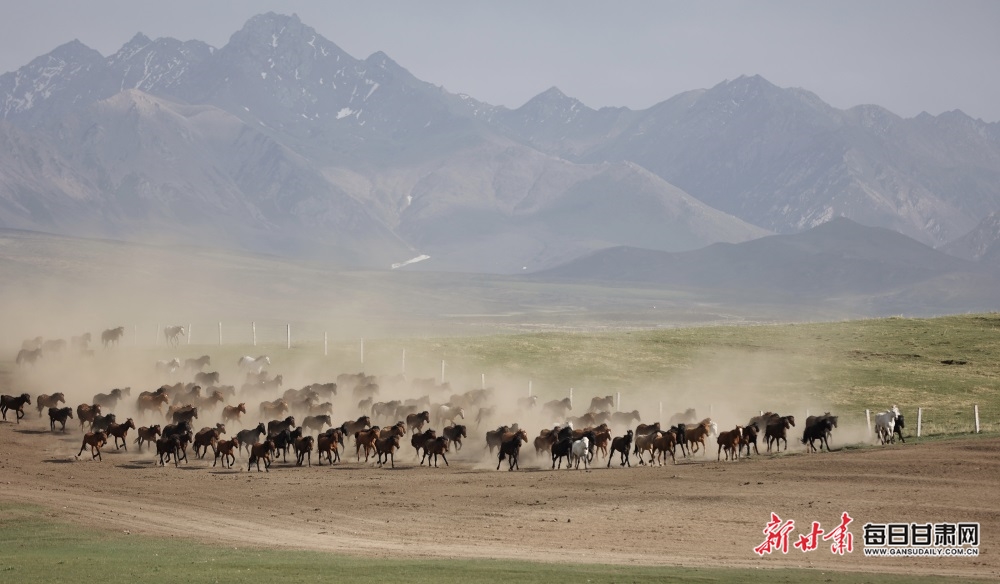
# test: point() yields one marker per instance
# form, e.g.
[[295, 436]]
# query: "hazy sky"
[[906, 55]]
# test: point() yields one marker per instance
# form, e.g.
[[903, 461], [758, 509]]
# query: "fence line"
[[942, 418]]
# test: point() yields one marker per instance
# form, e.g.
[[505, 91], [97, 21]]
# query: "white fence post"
[[482, 384], [618, 401], [288, 336], [220, 333], [442, 370], [868, 422], [975, 409], [189, 334], [571, 397], [920, 420], [253, 330], [402, 367]]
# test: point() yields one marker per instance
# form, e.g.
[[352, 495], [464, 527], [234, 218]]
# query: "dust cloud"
[[62, 288]]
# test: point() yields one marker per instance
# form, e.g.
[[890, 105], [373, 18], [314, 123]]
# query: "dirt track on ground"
[[696, 513]]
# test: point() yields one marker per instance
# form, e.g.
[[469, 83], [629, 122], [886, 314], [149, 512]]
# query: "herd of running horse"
[[382, 427]]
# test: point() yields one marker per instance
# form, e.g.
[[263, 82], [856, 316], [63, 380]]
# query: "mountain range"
[[281, 142]]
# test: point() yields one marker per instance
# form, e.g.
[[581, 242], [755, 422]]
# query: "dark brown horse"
[[15, 404], [112, 336], [777, 430], [59, 415]]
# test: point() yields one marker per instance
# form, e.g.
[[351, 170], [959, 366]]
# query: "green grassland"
[[847, 366], [36, 548], [943, 365]]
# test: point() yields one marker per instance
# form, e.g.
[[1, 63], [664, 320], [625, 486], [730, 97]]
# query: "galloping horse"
[[112, 336], [171, 333], [26, 356], [249, 363]]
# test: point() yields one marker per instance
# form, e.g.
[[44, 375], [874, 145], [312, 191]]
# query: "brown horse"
[[120, 431], [233, 412], [152, 402], [207, 437], [262, 451], [112, 336], [26, 356], [697, 434], [365, 439], [510, 448], [147, 434], [49, 401], [87, 413], [416, 421], [386, 448], [455, 433], [95, 440], [777, 430], [419, 441], [16, 404], [434, 448], [303, 449], [730, 442], [351, 426], [59, 415], [328, 444], [226, 449]]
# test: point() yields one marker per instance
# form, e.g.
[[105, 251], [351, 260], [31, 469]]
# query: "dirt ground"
[[697, 513]]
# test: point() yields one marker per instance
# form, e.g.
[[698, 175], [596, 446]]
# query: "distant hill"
[[881, 269]]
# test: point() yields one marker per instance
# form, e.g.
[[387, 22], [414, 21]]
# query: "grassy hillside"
[[845, 367], [944, 365]]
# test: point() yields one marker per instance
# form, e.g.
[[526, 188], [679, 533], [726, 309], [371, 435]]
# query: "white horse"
[[168, 365], [171, 334], [580, 450], [250, 363], [447, 413], [885, 425]]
